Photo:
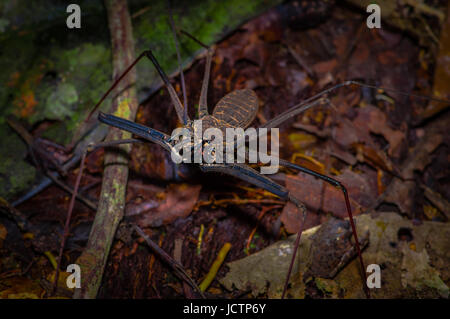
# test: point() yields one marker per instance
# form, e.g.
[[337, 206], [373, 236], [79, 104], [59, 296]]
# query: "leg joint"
[[297, 203]]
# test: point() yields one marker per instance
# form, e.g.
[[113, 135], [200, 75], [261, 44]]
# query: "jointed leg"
[[203, 104], [319, 98], [250, 175], [347, 203], [143, 131], [247, 174]]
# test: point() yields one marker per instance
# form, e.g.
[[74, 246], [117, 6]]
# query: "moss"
[[16, 70], [208, 21], [3, 24], [16, 176], [326, 286], [61, 101], [123, 109], [50, 73], [84, 63], [87, 69]]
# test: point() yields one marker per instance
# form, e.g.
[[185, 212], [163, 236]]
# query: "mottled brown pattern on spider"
[[236, 109]]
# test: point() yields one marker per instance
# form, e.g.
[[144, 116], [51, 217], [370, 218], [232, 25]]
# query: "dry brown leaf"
[[421, 272], [441, 81], [21, 288], [179, 200], [339, 153], [325, 66], [375, 121], [441, 203], [401, 192], [376, 158], [369, 120], [316, 194], [3, 232]]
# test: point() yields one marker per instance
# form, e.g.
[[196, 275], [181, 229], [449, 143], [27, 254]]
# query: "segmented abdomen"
[[236, 109]]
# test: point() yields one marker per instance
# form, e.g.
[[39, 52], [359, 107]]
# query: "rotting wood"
[[112, 199]]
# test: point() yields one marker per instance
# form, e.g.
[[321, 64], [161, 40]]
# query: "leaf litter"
[[363, 133]]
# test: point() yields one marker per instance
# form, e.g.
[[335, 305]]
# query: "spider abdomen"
[[237, 109]]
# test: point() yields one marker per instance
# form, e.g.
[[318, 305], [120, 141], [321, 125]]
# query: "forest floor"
[[364, 138]]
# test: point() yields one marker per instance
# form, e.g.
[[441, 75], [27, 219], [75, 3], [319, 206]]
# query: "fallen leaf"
[[437, 200], [418, 272], [376, 122], [3, 232], [137, 207], [374, 157], [325, 67], [300, 141], [441, 80], [265, 271], [20, 288], [401, 193], [339, 153], [318, 195], [178, 202]]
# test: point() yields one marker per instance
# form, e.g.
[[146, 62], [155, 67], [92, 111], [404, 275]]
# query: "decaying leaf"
[[179, 200], [441, 75], [418, 268], [369, 120], [418, 272], [437, 200], [3, 232], [395, 13], [401, 192], [318, 195], [374, 157], [20, 288]]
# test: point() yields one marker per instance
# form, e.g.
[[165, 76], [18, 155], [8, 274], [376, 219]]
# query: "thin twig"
[[176, 266], [301, 62], [68, 189], [51, 176]]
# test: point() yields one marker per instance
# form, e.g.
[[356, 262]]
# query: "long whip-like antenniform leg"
[[319, 99], [203, 104], [173, 95], [141, 131]]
